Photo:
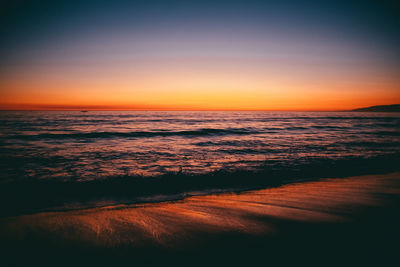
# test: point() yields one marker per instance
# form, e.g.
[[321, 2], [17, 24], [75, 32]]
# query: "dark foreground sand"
[[351, 221]]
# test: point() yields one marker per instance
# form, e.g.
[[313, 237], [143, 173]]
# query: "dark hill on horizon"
[[380, 108]]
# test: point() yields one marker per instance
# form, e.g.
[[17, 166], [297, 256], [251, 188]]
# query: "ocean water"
[[119, 156]]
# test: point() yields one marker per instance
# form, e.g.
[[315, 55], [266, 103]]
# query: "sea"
[[58, 160]]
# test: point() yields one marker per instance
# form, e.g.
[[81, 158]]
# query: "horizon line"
[[248, 110], [35, 107]]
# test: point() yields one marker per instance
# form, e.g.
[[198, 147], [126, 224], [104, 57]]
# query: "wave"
[[30, 195], [387, 133], [90, 135]]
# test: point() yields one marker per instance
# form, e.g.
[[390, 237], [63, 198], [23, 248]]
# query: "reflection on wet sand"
[[171, 224]]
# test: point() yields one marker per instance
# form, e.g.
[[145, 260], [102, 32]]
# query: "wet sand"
[[343, 221]]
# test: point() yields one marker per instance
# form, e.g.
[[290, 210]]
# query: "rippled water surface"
[[94, 144]]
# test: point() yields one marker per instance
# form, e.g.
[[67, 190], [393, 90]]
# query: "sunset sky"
[[199, 55]]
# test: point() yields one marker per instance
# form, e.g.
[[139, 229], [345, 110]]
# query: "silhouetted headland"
[[380, 108]]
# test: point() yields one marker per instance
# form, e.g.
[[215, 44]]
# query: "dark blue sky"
[[34, 23]]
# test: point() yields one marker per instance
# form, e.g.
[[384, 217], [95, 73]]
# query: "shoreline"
[[30, 196], [264, 217]]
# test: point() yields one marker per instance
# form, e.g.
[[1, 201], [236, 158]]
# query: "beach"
[[340, 219]]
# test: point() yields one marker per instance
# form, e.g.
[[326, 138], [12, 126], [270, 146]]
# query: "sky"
[[199, 55]]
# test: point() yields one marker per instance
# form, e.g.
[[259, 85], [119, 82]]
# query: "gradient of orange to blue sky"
[[199, 55]]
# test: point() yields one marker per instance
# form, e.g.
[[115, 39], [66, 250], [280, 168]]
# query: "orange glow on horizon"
[[196, 85], [258, 100]]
